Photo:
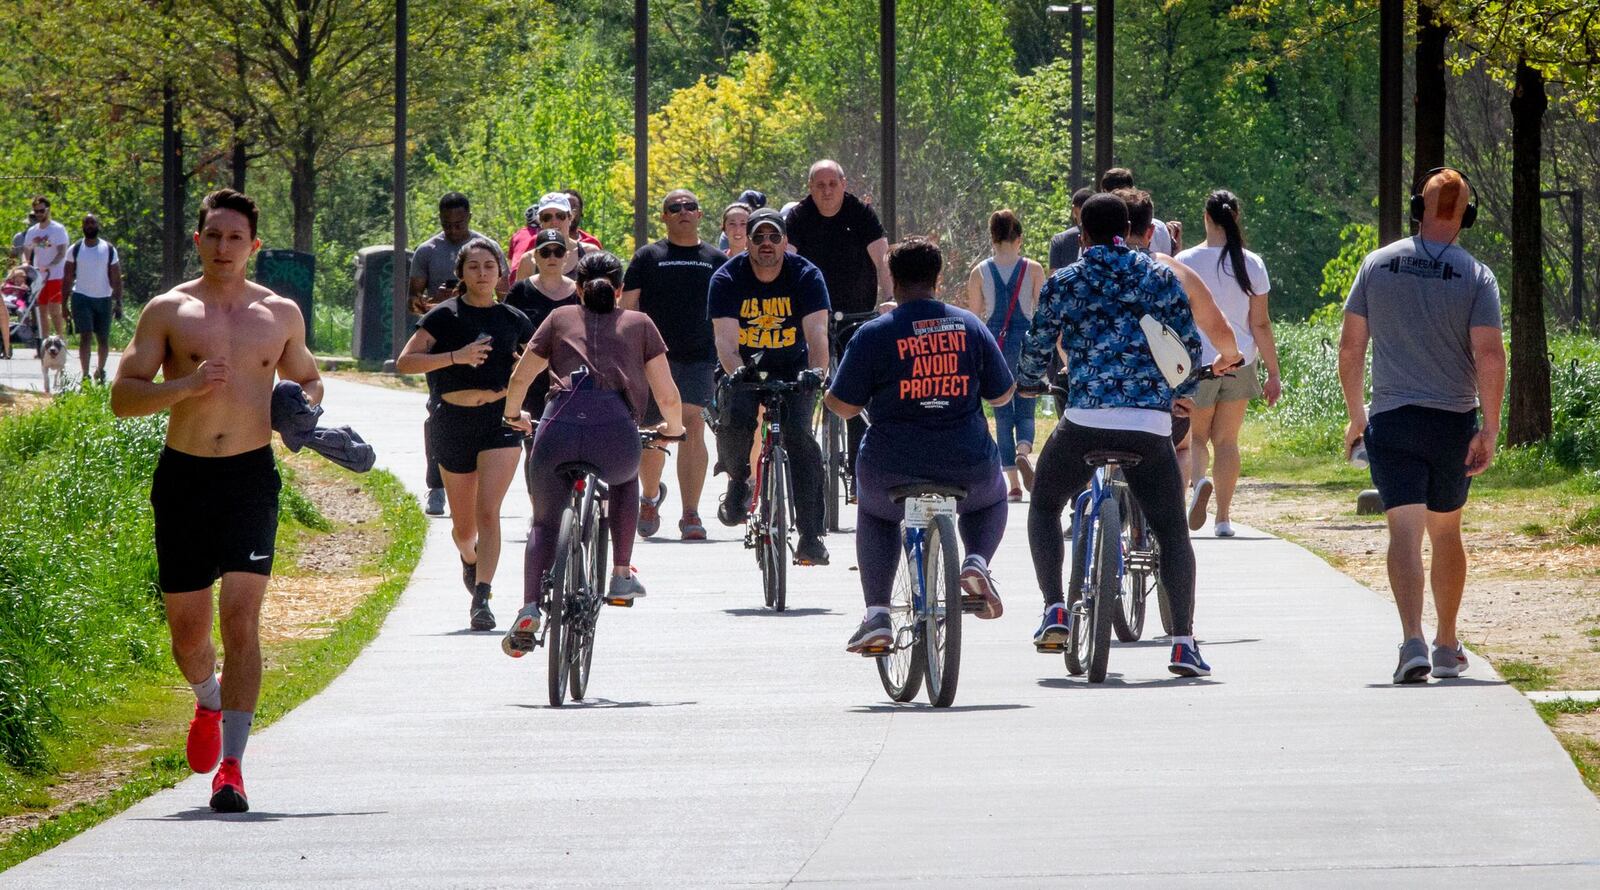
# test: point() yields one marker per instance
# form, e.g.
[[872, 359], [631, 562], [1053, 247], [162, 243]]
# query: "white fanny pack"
[[1167, 348]]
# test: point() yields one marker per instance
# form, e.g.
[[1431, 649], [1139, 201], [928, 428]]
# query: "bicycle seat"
[[1122, 458], [576, 469], [918, 489]]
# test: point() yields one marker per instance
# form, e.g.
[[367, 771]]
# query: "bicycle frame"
[[1086, 527], [771, 433]]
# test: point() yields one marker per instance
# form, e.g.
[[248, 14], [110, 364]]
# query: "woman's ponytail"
[[1223, 208], [599, 296]]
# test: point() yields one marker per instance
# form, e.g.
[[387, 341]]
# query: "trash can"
[[374, 333], [290, 273]]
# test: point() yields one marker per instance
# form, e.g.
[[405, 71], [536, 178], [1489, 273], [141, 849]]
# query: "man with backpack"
[[94, 279]]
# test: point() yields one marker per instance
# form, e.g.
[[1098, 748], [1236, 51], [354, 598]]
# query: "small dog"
[[53, 363]]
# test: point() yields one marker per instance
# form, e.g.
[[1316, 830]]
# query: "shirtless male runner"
[[218, 342]]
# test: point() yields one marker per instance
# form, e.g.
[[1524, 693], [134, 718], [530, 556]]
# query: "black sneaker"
[[469, 576], [810, 551], [482, 618], [874, 633], [732, 510]]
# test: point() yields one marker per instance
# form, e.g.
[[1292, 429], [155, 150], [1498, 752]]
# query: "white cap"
[[556, 200]]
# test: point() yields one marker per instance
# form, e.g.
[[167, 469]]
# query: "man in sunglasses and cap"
[[769, 311], [554, 211], [668, 281]]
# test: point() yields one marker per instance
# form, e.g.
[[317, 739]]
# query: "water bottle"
[[1358, 454]]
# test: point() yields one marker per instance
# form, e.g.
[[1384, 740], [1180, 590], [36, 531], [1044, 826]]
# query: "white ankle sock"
[[1186, 641], [875, 611], [208, 693]]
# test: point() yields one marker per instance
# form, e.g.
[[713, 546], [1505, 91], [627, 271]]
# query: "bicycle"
[[575, 587], [771, 511], [835, 431], [927, 602]]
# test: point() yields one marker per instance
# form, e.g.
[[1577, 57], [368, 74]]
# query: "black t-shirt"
[[456, 323], [1064, 248], [837, 244], [771, 334], [672, 282], [526, 296]]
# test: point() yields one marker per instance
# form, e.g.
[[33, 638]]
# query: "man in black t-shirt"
[[668, 281], [842, 236], [1064, 248]]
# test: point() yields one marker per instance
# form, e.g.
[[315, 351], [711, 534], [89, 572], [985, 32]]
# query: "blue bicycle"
[[926, 604], [1095, 587]]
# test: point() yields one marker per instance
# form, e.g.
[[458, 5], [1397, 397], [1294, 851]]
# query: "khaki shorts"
[[1240, 385]]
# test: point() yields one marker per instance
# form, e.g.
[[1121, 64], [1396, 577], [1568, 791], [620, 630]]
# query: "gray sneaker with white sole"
[[1414, 664], [1448, 661]]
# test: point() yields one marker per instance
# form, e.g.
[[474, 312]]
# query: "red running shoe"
[[205, 740], [227, 789]]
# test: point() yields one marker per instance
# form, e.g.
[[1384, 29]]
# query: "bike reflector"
[[920, 512], [1167, 348]]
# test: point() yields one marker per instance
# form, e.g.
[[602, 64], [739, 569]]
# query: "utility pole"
[[889, 114], [641, 123], [401, 297], [1075, 12], [1104, 76], [1391, 120]]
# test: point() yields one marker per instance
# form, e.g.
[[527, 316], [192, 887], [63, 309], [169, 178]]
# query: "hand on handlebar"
[[1226, 362], [1031, 390], [522, 422], [813, 377]]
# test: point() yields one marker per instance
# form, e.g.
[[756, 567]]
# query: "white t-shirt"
[[42, 240], [1230, 296], [1160, 238], [92, 268], [1133, 420]]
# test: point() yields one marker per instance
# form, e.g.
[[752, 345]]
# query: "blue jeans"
[[1013, 423]]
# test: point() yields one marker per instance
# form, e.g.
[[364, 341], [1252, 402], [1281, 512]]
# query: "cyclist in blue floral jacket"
[[1117, 400]]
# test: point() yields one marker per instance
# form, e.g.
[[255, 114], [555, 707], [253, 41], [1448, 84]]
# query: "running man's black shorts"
[[456, 434], [214, 515], [1419, 456]]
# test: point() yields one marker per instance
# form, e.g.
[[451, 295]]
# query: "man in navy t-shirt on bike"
[[1117, 400], [922, 373]]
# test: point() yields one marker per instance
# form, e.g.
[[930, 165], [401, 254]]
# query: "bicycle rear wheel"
[[1105, 586], [833, 452], [1077, 652], [941, 634], [1138, 581], [596, 536], [562, 589], [775, 545], [901, 670]]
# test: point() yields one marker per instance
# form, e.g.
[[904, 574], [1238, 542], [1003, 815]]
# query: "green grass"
[[1525, 675], [69, 694]]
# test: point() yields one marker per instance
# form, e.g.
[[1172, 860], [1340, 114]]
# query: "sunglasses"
[[681, 207], [547, 217], [552, 250], [766, 238]]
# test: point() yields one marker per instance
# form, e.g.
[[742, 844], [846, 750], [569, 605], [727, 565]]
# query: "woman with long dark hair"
[[1238, 280], [467, 346], [604, 362]]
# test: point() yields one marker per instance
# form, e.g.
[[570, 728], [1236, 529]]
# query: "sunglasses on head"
[[768, 237], [552, 250], [547, 217], [682, 206]]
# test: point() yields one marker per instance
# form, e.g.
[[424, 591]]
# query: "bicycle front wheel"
[[563, 574], [941, 626], [596, 536], [1105, 585], [902, 668], [1077, 654], [775, 545]]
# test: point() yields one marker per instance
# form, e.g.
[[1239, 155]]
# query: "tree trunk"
[[1429, 102], [303, 193], [239, 162], [1529, 415], [172, 189]]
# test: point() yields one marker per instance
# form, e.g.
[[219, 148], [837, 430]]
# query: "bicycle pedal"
[[618, 601], [971, 602], [1049, 648], [876, 651]]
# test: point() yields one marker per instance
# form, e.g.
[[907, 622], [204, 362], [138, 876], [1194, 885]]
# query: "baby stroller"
[[27, 319]]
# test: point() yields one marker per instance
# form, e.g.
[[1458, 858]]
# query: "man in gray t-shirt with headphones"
[[1432, 313]]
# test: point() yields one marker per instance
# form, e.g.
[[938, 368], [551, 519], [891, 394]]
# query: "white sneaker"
[[1199, 499], [1223, 529]]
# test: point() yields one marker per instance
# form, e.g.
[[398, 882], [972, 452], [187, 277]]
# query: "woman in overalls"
[[1003, 290]]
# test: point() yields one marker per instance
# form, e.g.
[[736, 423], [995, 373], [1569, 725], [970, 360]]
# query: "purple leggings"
[[589, 426], [981, 519]]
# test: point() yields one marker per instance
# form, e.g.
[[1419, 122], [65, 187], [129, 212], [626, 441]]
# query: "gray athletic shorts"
[[1241, 385], [696, 386]]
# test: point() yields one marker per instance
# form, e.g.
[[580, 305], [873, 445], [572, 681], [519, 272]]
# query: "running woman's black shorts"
[[213, 515], [456, 434], [1419, 456]]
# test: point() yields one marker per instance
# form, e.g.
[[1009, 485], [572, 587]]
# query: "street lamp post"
[[889, 115], [401, 296], [1104, 75], [1391, 115], [1076, 11], [641, 122], [1575, 229]]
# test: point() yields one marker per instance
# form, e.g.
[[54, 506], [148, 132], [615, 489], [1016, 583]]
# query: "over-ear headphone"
[[1468, 217]]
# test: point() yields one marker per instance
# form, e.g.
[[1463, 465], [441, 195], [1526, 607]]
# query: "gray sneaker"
[[435, 506], [1448, 661], [1414, 663], [627, 588], [873, 637]]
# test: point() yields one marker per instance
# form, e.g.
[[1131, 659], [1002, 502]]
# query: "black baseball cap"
[[766, 216], [549, 236]]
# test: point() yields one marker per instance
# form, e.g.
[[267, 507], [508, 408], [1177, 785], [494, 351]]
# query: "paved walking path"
[[730, 747]]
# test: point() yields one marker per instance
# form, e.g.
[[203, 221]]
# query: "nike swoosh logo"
[[255, 558]]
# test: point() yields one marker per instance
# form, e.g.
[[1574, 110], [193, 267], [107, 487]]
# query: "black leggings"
[[1156, 485]]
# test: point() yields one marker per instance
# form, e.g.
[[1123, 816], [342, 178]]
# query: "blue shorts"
[[1419, 456]]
